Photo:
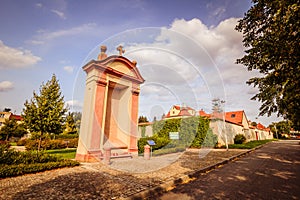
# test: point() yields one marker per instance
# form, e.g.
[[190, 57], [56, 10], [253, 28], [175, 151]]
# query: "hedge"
[[168, 150], [20, 169], [14, 163], [51, 144], [193, 132]]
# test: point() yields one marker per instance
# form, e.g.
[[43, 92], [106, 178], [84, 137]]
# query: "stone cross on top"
[[121, 50]]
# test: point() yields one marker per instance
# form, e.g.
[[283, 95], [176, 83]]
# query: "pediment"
[[118, 66]]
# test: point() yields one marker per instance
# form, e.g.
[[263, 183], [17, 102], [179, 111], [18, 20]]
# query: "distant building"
[[225, 125], [178, 111], [235, 122], [8, 115]]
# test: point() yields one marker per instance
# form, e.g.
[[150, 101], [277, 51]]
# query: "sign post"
[[151, 143], [174, 135]]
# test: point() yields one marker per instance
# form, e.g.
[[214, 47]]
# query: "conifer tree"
[[44, 113], [70, 124]]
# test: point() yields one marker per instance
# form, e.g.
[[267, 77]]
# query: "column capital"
[[102, 82], [135, 90]]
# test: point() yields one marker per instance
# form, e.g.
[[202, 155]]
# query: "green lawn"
[[13, 143], [63, 153], [248, 145]]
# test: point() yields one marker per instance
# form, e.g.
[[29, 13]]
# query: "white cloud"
[[39, 5], [74, 104], [59, 14], [16, 58], [44, 36], [69, 69], [218, 12], [6, 86], [192, 63]]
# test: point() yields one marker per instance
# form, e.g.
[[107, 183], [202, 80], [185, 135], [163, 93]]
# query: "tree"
[[142, 119], [271, 37], [6, 110], [70, 124], [12, 129], [154, 119], [77, 118], [44, 113], [282, 127], [253, 124], [217, 105]]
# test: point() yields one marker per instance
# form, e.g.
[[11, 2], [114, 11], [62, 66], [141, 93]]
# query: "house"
[[235, 122], [8, 115], [260, 132], [225, 125], [178, 111]]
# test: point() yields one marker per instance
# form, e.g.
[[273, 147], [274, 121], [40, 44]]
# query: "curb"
[[168, 185]]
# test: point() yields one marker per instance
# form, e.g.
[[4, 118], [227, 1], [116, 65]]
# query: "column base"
[[93, 156]]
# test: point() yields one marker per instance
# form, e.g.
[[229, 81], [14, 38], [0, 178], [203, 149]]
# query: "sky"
[[185, 50]]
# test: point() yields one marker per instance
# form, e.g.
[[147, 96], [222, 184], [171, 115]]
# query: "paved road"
[[271, 172]]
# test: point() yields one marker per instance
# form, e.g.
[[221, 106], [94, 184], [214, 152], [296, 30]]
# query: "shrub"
[[20, 169], [52, 144], [142, 142], [6, 144], [21, 142], [64, 136], [239, 139], [210, 140], [168, 150], [31, 145], [12, 157], [73, 143], [159, 143], [13, 163], [193, 132]]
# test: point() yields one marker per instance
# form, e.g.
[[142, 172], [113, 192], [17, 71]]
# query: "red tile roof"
[[202, 113], [261, 127], [145, 123], [235, 117], [184, 112], [16, 117]]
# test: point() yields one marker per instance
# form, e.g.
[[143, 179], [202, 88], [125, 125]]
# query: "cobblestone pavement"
[[124, 178]]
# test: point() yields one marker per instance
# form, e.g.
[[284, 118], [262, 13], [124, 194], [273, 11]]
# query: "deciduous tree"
[[271, 37], [279, 128], [12, 129]]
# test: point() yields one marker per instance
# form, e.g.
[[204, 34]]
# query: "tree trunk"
[[39, 146]]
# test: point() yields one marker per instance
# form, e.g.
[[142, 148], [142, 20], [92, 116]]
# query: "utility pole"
[[276, 132]]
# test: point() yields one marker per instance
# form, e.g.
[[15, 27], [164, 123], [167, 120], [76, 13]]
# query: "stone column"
[[134, 119], [89, 145]]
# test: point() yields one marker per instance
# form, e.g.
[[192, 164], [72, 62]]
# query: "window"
[[2, 115], [232, 115]]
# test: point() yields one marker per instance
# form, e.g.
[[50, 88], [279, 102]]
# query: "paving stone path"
[[122, 179]]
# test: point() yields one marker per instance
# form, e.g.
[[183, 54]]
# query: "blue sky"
[[185, 50]]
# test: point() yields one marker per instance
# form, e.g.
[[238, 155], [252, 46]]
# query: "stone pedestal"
[[147, 152]]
